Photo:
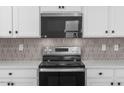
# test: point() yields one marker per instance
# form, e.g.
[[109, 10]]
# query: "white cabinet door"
[[117, 22], [26, 21], [59, 8], [5, 21], [96, 21]]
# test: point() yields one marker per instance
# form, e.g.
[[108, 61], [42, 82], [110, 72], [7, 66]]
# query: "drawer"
[[119, 73], [18, 82], [58, 9], [99, 73], [26, 73], [24, 82]]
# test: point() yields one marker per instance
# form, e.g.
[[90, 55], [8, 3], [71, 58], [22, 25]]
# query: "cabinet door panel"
[[95, 21], [26, 21], [117, 22], [5, 21], [119, 74]]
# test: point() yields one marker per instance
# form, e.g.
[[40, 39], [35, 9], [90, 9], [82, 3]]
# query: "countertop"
[[19, 64], [104, 63]]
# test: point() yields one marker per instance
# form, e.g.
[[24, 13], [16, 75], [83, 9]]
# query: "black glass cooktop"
[[61, 64]]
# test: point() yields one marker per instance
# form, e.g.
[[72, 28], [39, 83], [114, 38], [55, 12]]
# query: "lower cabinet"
[[105, 77], [18, 77]]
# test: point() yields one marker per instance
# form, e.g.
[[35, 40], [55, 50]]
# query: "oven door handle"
[[62, 70]]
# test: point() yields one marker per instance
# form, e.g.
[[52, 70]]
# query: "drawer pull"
[[119, 83], [112, 83], [113, 31], [10, 73], [106, 31], [8, 84], [100, 73]]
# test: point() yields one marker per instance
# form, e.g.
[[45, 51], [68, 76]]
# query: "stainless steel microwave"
[[61, 25]]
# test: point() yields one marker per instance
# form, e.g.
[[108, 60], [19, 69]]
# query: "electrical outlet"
[[103, 47], [21, 47], [116, 47]]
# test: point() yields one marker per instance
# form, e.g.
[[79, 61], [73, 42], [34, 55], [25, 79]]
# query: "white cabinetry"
[[95, 21], [99, 77], [18, 77], [19, 22], [26, 21], [60, 9], [105, 77], [117, 21], [5, 21], [119, 77], [103, 21]]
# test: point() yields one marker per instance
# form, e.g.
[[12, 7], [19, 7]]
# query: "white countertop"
[[104, 63], [19, 64]]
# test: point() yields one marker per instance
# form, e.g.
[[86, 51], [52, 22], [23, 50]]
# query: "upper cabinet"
[[26, 21], [5, 21], [95, 21], [60, 8], [100, 21], [117, 21], [20, 22]]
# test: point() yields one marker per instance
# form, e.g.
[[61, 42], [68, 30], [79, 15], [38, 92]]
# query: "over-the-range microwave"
[[61, 25]]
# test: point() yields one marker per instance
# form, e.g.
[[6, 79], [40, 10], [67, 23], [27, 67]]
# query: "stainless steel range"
[[62, 66]]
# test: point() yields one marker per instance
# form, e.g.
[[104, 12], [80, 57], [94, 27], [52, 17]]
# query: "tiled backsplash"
[[91, 48]]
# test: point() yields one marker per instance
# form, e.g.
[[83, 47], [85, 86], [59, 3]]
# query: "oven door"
[[62, 78], [71, 79]]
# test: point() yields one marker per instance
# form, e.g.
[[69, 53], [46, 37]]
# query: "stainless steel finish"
[[71, 51], [61, 14], [62, 69]]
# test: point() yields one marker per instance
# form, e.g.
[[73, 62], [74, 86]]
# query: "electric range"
[[62, 66]]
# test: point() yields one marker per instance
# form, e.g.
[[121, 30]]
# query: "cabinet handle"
[[12, 84], [100, 73], [10, 32], [16, 32], [113, 31], [119, 83], [63, 7], [59, 7], [112, 83], [8, 84], [10, 73], [106, 31]]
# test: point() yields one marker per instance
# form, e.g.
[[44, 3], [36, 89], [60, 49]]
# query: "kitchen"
[[23, 39]]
